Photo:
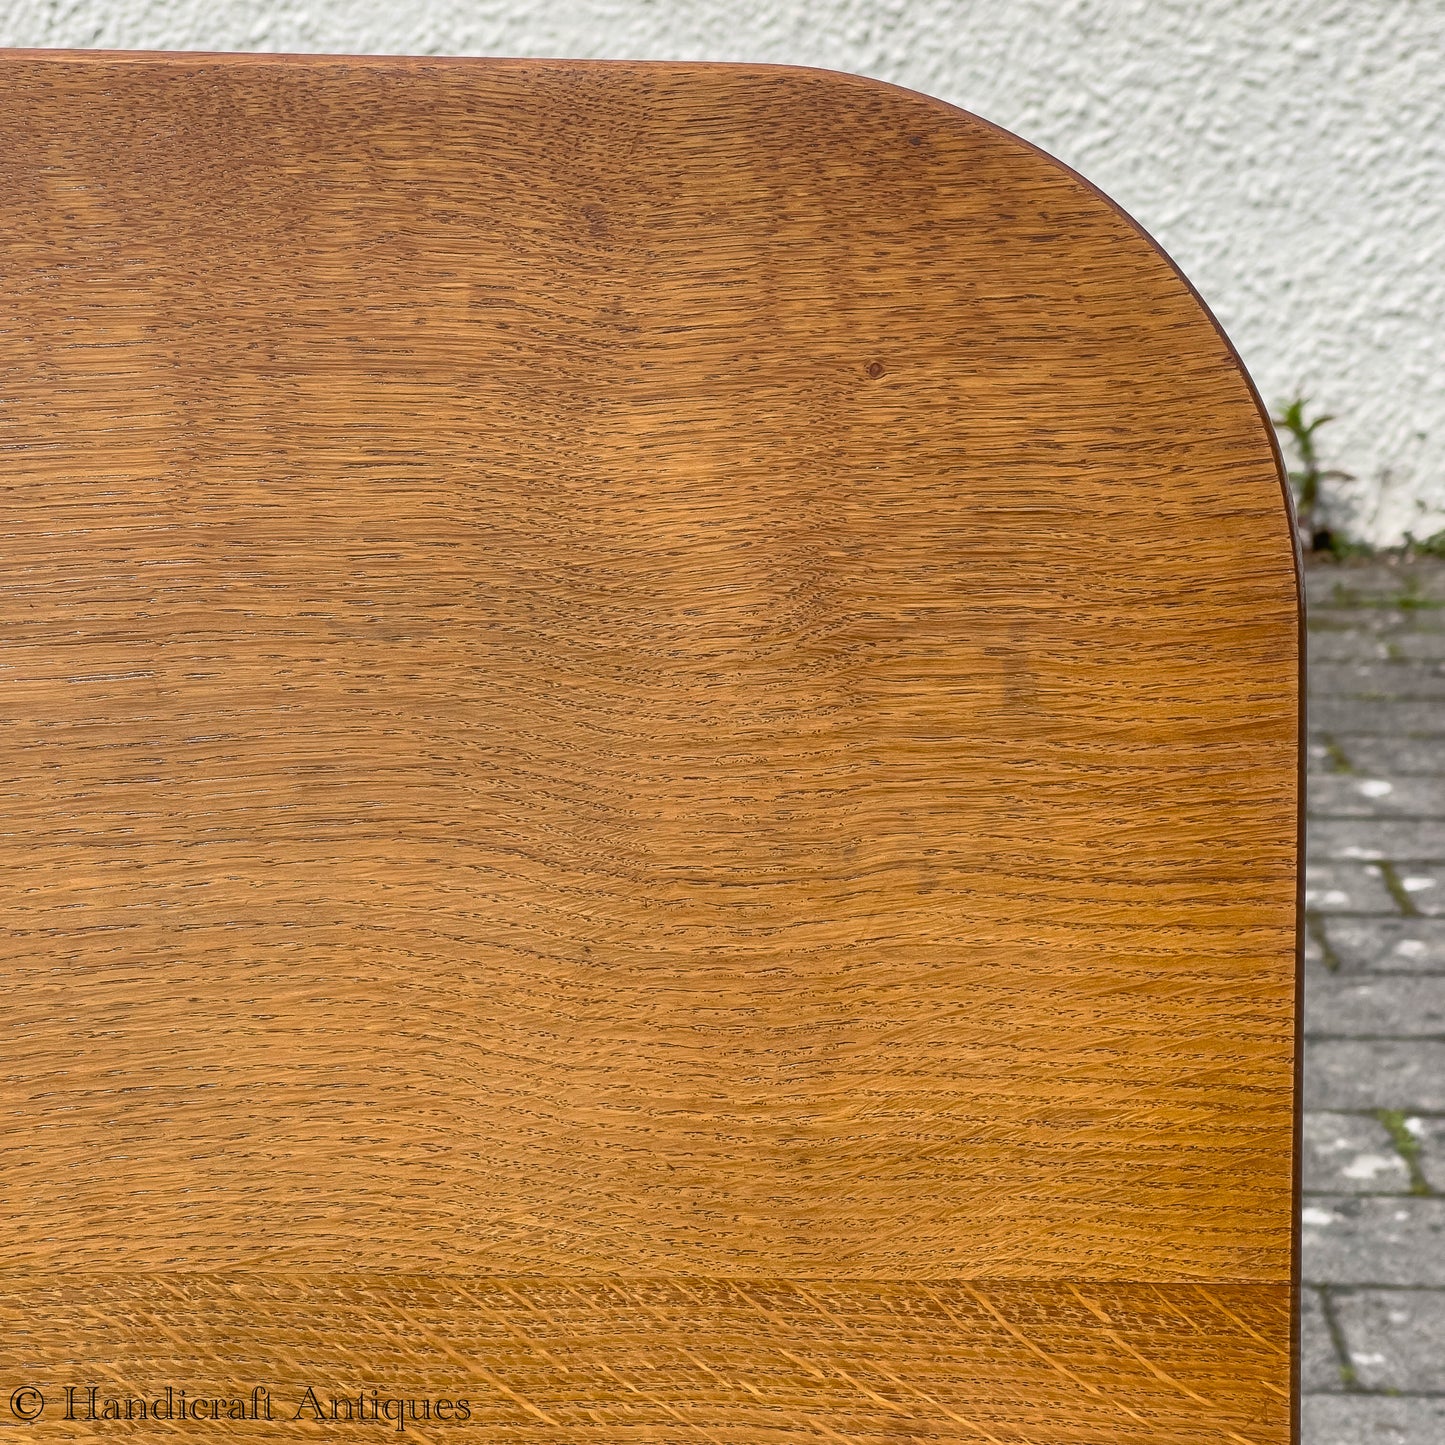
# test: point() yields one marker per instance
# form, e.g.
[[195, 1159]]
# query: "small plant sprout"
[[1307, 481], [1431, 545]]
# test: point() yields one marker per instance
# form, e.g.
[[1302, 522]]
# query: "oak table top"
[[651, 732]]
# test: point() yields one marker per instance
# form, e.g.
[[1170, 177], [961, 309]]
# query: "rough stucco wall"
[[1290, 158]]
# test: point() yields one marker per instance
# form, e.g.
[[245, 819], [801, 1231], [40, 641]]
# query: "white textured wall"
[[1291, 157]]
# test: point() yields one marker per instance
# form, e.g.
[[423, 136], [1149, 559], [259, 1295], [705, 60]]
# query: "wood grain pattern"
[[627, 678], [624, 1360]]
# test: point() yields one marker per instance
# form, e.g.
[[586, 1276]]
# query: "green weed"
[[1308, 481], [1407, 1146]]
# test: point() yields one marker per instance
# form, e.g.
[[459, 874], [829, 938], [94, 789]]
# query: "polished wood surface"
[[651, 717], [624, 1360]]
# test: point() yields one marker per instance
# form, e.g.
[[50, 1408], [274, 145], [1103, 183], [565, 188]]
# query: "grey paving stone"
[[1379, 719], [1348, 644], [1319, 1362], [1377, 756], [1374, 1240], [1429, 1132], [1322, 760], [1378, 1006], [1395, 639], [1411, 839], [1371, 1420], [1376, 900], [1374, 579], [1395, 1338], [1381, 621], [1425, 886], [1395, 945], [1362, 795], [1425, 646], [1348, 1075], [1398, 679], [1351, 1154], [1346, 888]]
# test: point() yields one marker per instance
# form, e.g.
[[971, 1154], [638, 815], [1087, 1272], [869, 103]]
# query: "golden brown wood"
[[651, 734], [617, 1359]]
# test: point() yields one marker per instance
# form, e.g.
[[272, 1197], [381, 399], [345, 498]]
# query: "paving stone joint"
[[1373, 1223]]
